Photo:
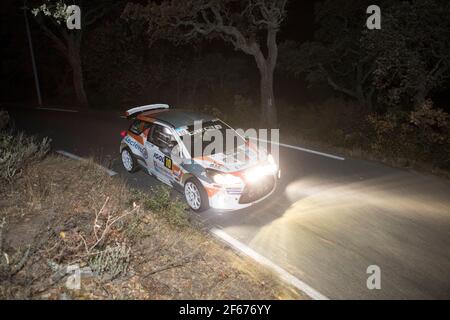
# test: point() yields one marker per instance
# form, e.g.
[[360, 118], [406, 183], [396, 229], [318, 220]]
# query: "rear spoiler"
[[135, 111]]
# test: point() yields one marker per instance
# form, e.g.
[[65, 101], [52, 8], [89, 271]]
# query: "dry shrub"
[[68, 212], [89, 219], [420, 136], [4, 119], [111, 262], [17, 151], [419, 139], [161, 202]]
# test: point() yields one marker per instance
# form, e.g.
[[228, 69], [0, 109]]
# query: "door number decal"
[[168, 163]]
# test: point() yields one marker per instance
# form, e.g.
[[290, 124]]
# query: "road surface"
[[328, 221]]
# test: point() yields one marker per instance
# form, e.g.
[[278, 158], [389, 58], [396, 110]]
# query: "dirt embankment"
[[64, 221]]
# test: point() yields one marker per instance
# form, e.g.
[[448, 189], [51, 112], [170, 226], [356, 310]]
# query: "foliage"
[[111, 262], [126, 61], [162, 203], [236, 22], [248, 25], [336, 56], [397, 66], [182, 76], [422, 135], [335, 122], [238, 111], [17, 151], [419, 138], [50, 14], [57, 10], [4, 119], [413, 51]]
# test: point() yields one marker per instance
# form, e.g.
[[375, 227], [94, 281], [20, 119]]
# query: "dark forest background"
[[382, 93]]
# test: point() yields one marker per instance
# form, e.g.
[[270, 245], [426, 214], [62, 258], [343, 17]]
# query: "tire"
[[128, 160], [195, 195]]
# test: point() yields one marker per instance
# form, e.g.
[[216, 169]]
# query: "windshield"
[[205, 138]]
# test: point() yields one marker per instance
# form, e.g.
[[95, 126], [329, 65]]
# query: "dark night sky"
[[300, 22]]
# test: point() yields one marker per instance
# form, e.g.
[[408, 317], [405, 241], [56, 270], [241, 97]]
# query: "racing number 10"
[[168, 163]]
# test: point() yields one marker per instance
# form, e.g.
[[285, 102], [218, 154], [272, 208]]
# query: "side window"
[[161, 137], [145, 126], [136, 127], [176, 152]]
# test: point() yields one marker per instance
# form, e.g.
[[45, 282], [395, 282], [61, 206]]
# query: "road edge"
[[282, 273]]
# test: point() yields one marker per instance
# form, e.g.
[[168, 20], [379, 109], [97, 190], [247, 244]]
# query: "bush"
[[422, 135], [111, 262], [161, 202], [335, 122], [4, 119], [16, 151], [402, 138]]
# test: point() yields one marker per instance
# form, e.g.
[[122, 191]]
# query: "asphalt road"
[[326, 223]]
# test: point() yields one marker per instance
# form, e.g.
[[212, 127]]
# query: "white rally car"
[[175, 146]]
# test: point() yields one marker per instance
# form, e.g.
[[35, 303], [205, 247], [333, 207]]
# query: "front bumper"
[[228, 198], [258, 191]]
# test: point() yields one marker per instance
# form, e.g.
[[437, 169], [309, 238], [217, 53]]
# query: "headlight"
[[258, 172], [226, 179]]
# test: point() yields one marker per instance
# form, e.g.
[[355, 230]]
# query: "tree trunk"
[[77, 71], [268, 109]]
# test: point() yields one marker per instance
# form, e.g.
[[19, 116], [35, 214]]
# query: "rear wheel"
[[195, 195], [128, 160]]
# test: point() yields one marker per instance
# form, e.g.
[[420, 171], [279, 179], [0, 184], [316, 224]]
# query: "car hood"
[[242, 158]]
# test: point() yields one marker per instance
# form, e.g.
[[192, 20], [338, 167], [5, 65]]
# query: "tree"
[[336, 57], [413, 51], [216, 75], [51, 16], [251, 26]]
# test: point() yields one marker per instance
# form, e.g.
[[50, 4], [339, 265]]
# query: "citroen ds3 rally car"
[[175, 146]]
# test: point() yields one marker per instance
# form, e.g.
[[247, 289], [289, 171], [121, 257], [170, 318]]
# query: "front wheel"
[[195, 195]]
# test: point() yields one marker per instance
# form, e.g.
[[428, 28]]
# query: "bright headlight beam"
[[226, 179], [270, 159], [260, 171]]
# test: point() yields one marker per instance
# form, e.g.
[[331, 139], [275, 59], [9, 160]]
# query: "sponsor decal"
[[164, 160], [192, 130], [134, 144], [182, 131], [177, 172], [168, 163], [159, 157], [216, 166]]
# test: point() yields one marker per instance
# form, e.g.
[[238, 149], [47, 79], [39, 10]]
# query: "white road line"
[[323, 154], [75, 157], [283, 274], [56, 109]]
